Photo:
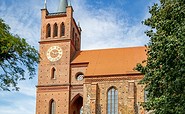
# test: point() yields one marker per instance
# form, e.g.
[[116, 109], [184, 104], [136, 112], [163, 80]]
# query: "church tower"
[[59, 42]]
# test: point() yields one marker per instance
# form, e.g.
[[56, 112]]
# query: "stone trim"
[[54, 40], [76, 87], [52, 85], [51, 89]]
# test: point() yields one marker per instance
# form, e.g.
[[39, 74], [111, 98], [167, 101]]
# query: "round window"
[[80, 77]]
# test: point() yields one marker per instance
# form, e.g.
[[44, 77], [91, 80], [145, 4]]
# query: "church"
[[75, 81]]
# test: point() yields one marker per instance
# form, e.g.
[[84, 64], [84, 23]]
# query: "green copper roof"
[[62, 6]]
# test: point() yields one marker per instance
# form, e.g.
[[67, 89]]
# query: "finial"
[[78, 23], [69, 2], [62, 6], [45, 6]]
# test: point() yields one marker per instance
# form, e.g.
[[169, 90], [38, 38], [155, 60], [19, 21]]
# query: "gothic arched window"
[[53, 73], [48, 31], [52, 107], [62, 29], [55, 32], [112, 101]]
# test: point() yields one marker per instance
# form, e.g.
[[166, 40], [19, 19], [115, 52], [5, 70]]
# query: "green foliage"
[[164, 72], [16, 58]]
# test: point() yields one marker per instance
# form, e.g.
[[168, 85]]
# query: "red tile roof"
[[118, 61]]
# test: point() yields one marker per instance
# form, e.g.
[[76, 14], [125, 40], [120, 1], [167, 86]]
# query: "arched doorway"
[[77, 105]]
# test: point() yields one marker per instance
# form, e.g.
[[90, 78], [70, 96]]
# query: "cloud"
[[104, 28], [23, 18], [16, 103]]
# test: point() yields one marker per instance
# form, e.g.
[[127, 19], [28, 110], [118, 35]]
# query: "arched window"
[[62, 29], [112, 101], [53, 73], [55, 32], [48, 31], [52, 107]]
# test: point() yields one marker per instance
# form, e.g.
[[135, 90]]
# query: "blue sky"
[[105, 24]]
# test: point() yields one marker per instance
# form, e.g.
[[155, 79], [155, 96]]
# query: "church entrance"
[[77, 105]]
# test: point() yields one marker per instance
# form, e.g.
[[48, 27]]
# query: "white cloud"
[[16, 103], [24, 19], [103, 28]]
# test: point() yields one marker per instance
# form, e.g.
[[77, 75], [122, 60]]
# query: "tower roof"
[[62, 6]]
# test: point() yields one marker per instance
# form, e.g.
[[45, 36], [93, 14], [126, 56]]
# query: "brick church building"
[[73, 81]]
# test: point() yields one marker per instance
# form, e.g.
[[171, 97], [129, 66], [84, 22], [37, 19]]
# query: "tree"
[[16, 58], [164, 69]]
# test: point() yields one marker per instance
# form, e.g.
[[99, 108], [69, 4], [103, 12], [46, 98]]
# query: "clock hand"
[[54, 53]]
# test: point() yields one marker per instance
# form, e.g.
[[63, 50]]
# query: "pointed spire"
[[45, 5], [62, 6]]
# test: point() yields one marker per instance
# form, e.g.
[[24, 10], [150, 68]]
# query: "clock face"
[[80, 77], [54, 53]]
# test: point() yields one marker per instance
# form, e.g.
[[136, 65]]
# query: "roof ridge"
[[113, 48]]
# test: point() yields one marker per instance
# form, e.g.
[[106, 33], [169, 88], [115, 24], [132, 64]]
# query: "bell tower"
[[60, 40]]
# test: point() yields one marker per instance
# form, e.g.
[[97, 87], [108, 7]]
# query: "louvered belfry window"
[[62, 29], [55, 32], [48, 33]]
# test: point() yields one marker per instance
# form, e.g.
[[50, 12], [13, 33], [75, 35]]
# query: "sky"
[[104, 23]]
